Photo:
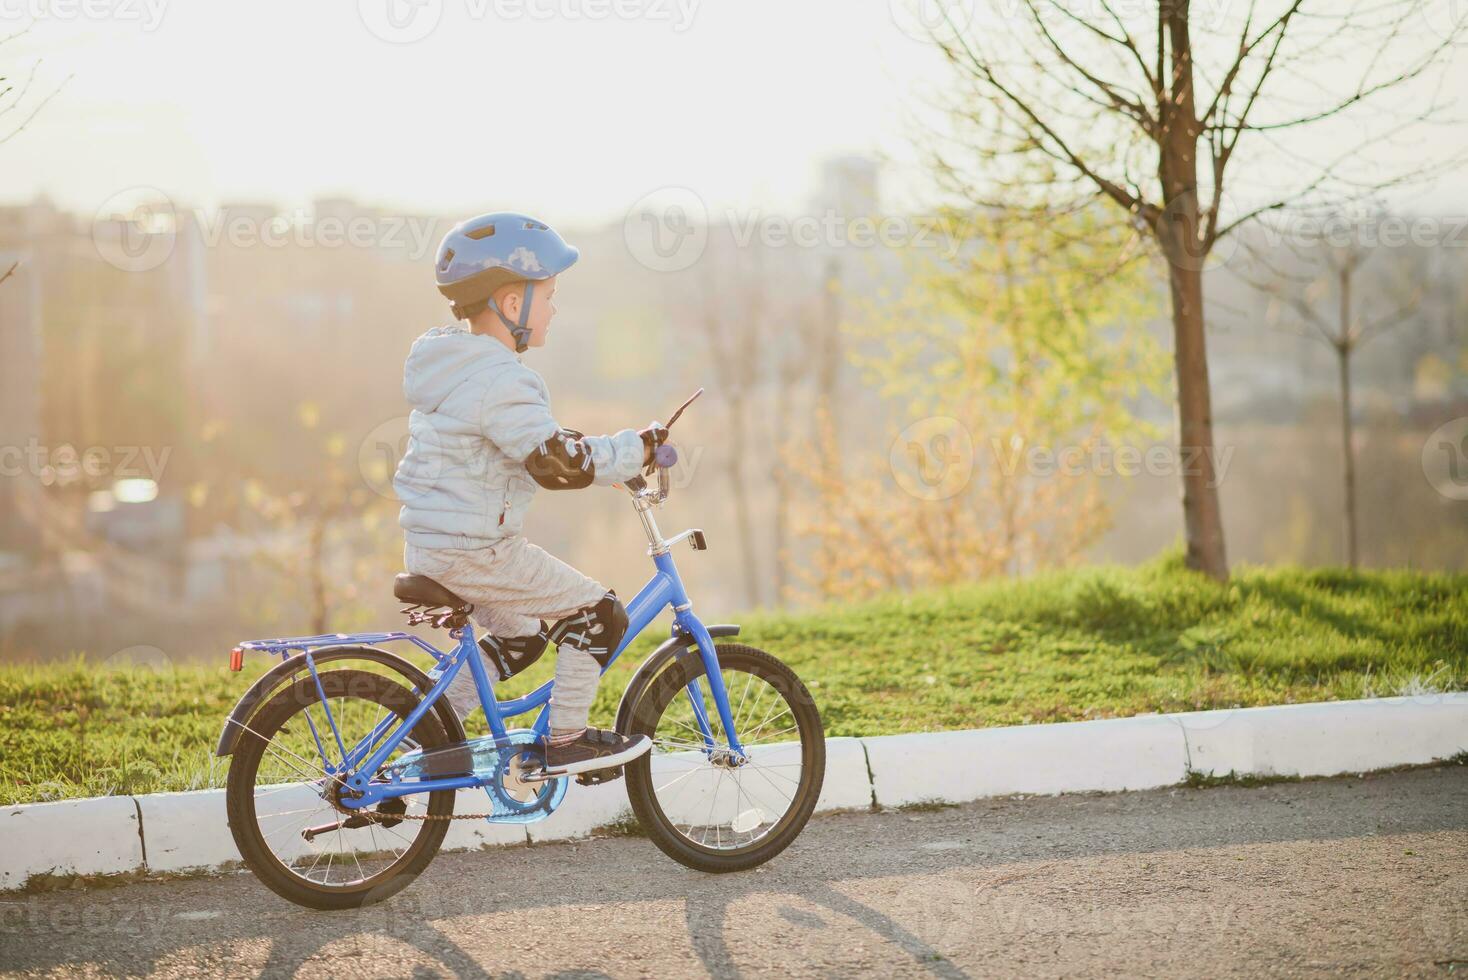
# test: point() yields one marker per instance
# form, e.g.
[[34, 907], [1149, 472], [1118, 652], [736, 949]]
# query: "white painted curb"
[[1327, 738], [73, 837], [187, 831], [1074, 757]]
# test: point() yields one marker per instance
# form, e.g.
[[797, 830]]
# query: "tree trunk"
[[1202, 517], [1348, 454], [317, 559], [1181, 234]]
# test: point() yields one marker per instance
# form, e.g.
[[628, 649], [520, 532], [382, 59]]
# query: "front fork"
[[717, 690]]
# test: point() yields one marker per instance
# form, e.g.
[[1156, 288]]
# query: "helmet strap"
[[519, 331]]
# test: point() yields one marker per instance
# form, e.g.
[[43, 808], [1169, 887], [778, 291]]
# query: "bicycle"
[[353, 771]]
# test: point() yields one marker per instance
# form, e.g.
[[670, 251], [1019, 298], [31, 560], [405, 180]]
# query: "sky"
[[570, 109], [576, 114]]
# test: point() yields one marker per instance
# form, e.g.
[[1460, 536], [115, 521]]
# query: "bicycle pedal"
[[598, 776]]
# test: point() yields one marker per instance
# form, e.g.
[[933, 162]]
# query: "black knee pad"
[[596, 628], [510, 655]]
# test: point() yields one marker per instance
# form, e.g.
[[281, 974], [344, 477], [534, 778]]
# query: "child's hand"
[[652, 437]]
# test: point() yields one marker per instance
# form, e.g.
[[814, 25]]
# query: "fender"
[[277, 675], [665, 654]]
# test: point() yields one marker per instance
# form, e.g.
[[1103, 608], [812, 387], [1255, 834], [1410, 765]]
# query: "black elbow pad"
[[562, 462]]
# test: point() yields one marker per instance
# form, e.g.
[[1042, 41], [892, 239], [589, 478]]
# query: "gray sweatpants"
[[514, 585]]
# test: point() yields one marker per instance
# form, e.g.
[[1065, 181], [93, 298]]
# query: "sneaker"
[[594, 749]]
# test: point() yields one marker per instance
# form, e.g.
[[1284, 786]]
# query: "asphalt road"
[[1360, 876]]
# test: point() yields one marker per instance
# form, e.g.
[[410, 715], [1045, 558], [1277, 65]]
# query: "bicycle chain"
[[374, 817]]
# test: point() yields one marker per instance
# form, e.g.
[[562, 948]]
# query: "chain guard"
[[501, 764]]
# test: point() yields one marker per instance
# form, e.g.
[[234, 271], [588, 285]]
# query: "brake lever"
[[682, 407]]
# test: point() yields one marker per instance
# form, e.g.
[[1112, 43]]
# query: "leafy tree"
[[1034, 341]]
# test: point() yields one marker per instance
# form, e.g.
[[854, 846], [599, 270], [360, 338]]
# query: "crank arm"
[[351, 823]]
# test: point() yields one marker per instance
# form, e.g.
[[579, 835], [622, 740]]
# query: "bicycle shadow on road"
[[614, 906]]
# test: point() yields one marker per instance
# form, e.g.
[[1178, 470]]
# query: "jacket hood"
[[442, 359]]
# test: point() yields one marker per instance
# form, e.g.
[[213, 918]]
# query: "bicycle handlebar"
[[664, 458]]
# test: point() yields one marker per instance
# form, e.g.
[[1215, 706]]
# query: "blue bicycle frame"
[[358, 767]]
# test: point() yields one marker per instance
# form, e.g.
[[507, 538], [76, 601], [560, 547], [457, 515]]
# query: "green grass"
[[1065, 646]]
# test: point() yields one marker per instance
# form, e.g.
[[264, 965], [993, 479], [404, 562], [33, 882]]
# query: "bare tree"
[[1334, 269], [1149, 110], [13, 96]]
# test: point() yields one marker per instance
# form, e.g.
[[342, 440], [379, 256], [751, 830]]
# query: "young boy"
[[481, 440]]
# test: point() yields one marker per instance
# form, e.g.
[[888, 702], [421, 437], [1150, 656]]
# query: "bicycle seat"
[[420, 590]]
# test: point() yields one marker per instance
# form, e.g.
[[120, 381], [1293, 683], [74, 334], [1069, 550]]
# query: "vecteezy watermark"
[[147, 13], [407, 21], [1014, 456], [66, 464], [1445, 459], [416, 236], [668, 230], [137, 230], [1367, 230], [935, 458]]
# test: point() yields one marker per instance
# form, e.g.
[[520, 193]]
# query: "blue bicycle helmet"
[[482, 254]]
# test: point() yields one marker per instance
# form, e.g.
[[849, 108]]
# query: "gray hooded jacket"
[[478, 412]]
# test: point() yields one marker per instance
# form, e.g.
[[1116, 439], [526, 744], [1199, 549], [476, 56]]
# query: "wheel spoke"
[[710, 815], [341, 858]]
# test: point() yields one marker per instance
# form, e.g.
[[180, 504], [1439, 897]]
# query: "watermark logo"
[[139, 657], [1447, 19], [931, 21], [1445, 459], [385, 445], [667, 230], [1183, 229], [400, 21], [134, 230], [928, 907], [933, 459]]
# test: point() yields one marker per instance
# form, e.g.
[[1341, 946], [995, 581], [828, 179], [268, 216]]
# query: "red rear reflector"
[[236, 659]]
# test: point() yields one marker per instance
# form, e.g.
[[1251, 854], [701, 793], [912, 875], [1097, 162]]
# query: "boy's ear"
[[508, 299]]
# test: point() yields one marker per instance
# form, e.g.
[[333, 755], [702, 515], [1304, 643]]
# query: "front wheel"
[[704, 807]]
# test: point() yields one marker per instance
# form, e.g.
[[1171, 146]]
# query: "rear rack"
[[287, 645]]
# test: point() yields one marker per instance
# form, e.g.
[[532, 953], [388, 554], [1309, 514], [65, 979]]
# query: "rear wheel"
[[282, 804], [703, 807]]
